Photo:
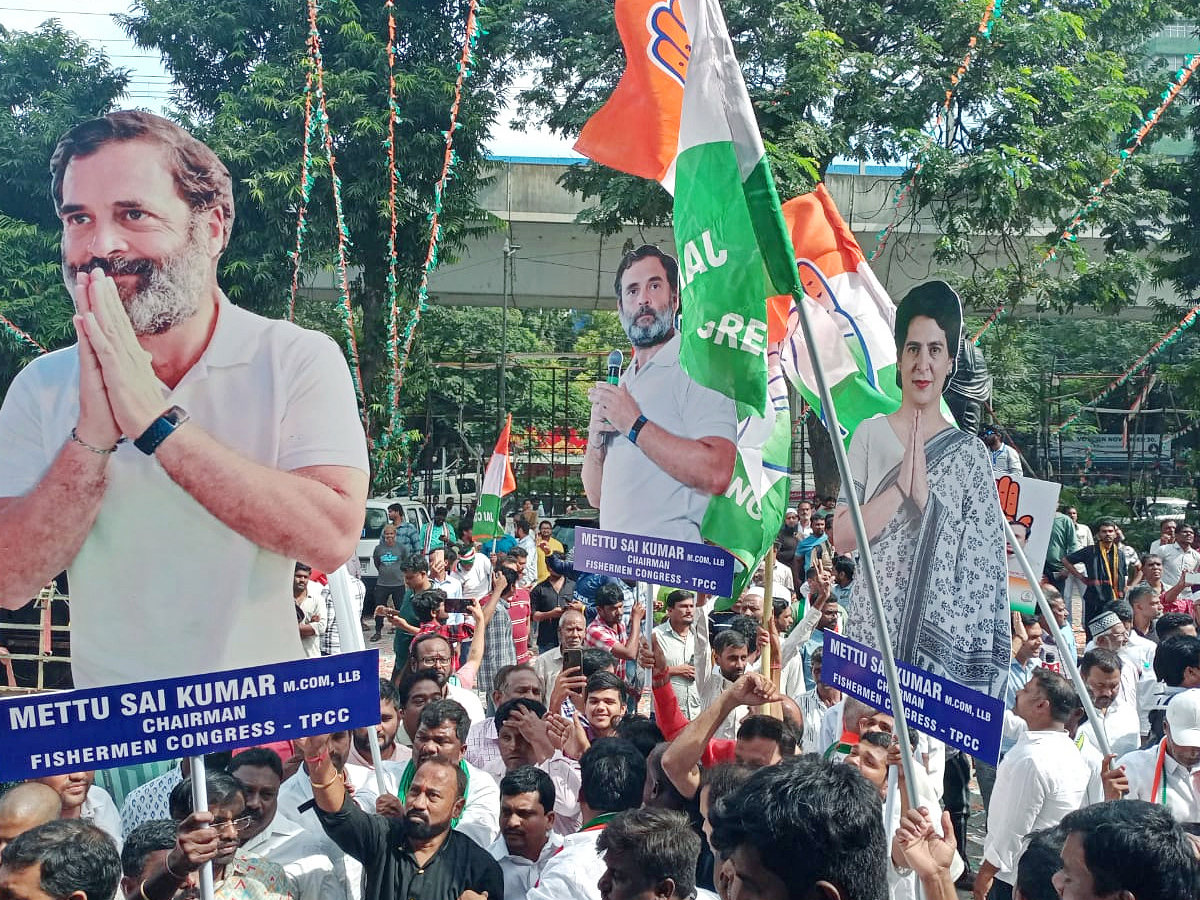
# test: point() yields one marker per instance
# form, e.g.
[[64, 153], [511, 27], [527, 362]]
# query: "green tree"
[[240, 70], [50, 80], [1034, 125]]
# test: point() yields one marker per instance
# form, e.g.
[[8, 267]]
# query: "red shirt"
[[519, 611], [671, 721]]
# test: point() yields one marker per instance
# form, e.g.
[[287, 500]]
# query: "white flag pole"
[[864, 550], [350, 636]]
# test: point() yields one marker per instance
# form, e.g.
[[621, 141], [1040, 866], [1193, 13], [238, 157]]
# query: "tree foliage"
[[50, 80]]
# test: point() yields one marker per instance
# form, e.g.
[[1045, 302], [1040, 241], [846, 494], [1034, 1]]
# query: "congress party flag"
[[498, 480], [851, 314], [733, 246], [745, 519]]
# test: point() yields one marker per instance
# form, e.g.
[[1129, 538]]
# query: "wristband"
[[160, 429], [636, 429]]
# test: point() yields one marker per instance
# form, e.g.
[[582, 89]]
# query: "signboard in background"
[[941, 708], [1109, 448], [1029, 506], [637, 557], [126, 724]]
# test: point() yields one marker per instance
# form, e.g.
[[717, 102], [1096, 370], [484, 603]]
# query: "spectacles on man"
[[428, 661], [241, 823]]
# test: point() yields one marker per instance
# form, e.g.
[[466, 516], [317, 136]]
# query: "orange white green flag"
[[498, 480]]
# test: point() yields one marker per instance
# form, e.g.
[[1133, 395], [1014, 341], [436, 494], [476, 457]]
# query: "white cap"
[[1183, 715]]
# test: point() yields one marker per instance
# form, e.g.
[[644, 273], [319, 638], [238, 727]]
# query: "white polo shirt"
[[638, 497], [161, 588]]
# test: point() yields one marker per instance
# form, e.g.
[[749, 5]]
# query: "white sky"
[[150, 83]]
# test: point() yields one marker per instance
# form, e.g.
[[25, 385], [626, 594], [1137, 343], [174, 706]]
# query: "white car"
[[376, 517]]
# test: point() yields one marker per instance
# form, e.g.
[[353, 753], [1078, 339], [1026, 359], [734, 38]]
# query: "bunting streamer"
[[317, 119], [393, 346], [20, 335], [1165, 341], [1137, 136], [473, 32], [991, 15]]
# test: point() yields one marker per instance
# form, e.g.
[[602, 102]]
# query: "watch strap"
[[160, 429], [636, 429]]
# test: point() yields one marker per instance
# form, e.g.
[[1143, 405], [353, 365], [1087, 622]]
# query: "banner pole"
[[350, 636], [200, 804], [1068, 658], [769, 665], [864, 549]]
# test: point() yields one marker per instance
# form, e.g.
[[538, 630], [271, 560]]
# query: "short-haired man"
[[675, 639], [1105, 572], [803, 828], [761, 740], [442, 734], [1164, 773], [432, 651], [550, 599], [274, 837], [613, 774], [438, 533], [310, 611], [607, 631], [214, 836], [67, 859], [166, 366], [660, 445], [1101, 673], [719, 667], [408, 536], [512, 682], [25, 806], [390, 558], [649, 853], [547, 544], [604, 701], [525, 740], [1040, 780], [528, 838], [416, 853], [82, 798], [1127, 849], [1147, 606], [572, 628], [1179, 557], [1171, 624]]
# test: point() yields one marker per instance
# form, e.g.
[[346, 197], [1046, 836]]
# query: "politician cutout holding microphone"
[[659, 444]]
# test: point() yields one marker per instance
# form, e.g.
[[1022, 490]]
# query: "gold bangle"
[[142, 891], [325, 784]]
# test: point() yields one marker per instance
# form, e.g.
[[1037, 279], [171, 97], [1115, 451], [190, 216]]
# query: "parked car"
[[1162, 508], [564, 527], [376, 517]]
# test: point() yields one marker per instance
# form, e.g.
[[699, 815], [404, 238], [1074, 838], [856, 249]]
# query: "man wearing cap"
[[1164, 773], [660, 445], [1005, 459], [1104, 569]]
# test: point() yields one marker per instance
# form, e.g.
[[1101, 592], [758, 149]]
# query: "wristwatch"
[[636, 429], [160, 429]]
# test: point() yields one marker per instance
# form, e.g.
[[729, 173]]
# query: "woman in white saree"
[[929, 503]]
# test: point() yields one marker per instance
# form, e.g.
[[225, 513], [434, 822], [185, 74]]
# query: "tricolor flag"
[[851, 314], [681, 115], [683, 99], [498, 480]]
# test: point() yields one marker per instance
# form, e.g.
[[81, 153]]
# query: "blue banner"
[[943, 709], [660, 561], [126, 724]]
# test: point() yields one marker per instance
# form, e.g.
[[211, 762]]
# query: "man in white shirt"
[[528, 838], [310, 611], [717, 669], [1038, 782], [1165, 773], [177, 420], [675, 639], [443, 733], [271, 836], [613, 776], [1101, 673], [483, 740], [1179, 557], [473, 571], [527, 542], [83, 799]]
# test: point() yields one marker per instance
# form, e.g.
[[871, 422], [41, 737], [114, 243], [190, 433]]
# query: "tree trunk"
[[826, 479]]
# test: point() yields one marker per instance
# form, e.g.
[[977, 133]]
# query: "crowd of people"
[[515, 763]]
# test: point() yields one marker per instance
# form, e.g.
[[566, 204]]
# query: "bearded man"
[[659, 444], [202, 447]]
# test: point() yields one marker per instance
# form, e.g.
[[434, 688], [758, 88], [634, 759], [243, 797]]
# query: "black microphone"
[[615, 360]]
